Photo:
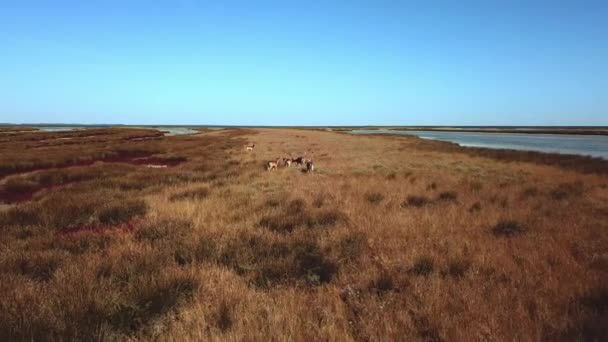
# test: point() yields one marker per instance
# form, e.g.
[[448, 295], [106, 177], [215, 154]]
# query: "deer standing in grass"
[[249, 147], [298, 161], [272, 165], [310, 166]]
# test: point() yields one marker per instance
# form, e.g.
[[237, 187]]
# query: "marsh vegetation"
[[391, 238]]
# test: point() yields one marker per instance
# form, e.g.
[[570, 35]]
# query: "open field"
[[126, 234]]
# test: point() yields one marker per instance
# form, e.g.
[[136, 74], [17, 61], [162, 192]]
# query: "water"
[[176, 130], [57, 128], [587, 145], [168, 130]]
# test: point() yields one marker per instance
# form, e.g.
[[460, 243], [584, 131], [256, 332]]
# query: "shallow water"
[[176, 130], [168, 130], [588, 145], [57, 128]]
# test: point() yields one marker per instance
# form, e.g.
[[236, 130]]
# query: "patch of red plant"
[[9, 197], [137, 159], [157, 161], [16, 196], [154, 136], [98, 229]]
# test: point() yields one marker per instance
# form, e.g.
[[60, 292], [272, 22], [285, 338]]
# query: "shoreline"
[[567, 131], [575, 162]]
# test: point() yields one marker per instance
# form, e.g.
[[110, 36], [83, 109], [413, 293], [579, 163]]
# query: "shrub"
[[273, 202], [65, 210], [294, 215], [475, 207], [447, 196], [311, 265], [508, 229], [195, 194], [153, 231], [382, 283], [325, 218], [223, 316], [566, 190], [39, 267], [122, 212], [529, 192], [351, 247], [296, 206], [423, 266], [283, 223], [374, 197], [318, 201], [153, 301], [20, 216], [206, 249], [458, 268], [415, 201]]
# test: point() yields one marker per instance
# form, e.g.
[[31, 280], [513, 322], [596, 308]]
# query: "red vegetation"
[[119, 158], [15, 197], [157, 161]]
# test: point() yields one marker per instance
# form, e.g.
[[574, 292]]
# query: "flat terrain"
[[520, 130], [126, 234]]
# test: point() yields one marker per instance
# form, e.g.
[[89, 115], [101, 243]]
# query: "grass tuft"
[[223, 317], [458, 268], [475, 207], [508, 228], [311, 265], [447, 196], [122, 212], [423, 266], [567, 190], [374, 197], [382, 283], [529, 192], [416, 201], [190, 195]]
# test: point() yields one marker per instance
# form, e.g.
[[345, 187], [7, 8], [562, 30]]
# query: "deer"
[[249, 147], [298, 161], [310, 166], [287, 162], [272, 165]]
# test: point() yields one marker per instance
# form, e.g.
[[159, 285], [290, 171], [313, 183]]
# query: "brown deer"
[[249, 147], [272, 165], [310, 166], [298, 161]]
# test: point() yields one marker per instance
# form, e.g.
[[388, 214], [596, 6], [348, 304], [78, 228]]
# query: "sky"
[[304, 62]]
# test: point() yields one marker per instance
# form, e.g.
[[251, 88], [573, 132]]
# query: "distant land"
[[584, 130]]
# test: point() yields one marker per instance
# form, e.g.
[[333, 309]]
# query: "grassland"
[[125, 234]]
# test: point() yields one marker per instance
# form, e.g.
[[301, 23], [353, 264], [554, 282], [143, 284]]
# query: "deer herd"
[[286, 161]]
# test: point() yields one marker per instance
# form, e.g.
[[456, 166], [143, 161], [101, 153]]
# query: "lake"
[[176, 130], [168, 131], [588, 145], [56, 128]]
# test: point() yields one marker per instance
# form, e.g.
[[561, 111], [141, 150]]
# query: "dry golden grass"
[[392, 238]]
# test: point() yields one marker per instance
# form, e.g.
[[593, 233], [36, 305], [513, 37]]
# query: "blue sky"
[[304, 63]]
